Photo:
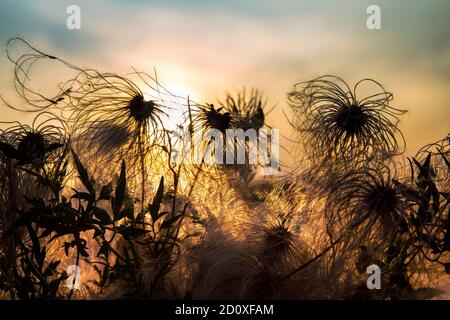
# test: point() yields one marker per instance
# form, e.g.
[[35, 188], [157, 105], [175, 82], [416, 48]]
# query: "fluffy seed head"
[[336, 123], [140, 109], [32, 145]]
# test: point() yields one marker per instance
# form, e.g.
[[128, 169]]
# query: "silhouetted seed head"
[[32, 145], [351, 119], [39, 144], [140, 109], [254, 120], [277, 241], [364, 201], [336, 123], [114, 120], [439, 153], [278, 224], [258, 118], [247, 112], [382, 199], [215, 119]]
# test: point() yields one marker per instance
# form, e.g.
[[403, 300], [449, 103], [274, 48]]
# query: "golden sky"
[[207, 48]]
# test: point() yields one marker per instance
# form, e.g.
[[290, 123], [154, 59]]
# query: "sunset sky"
[[206, 48]]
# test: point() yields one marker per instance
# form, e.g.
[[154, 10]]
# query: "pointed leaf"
[[154, 208], [102, 215], [82, 172], [117, 201], [105, 193], [169, 222]]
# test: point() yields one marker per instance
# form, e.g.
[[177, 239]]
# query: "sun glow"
[[177, 104]]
